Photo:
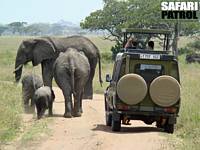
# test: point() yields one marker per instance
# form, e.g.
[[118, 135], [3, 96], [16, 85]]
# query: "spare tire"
[[165, 91], [131, 89]]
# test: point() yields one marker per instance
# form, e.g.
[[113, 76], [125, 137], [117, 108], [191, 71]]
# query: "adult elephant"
[[71, 72], [45, 50]]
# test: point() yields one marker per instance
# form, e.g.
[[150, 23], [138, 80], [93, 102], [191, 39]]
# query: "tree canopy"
[[117, 14]]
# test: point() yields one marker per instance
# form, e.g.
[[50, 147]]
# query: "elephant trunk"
[[18, 72], [19, 62]]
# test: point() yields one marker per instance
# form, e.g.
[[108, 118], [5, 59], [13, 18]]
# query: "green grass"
[[188, 125], [187, 131], [39, 129], [10, 111]]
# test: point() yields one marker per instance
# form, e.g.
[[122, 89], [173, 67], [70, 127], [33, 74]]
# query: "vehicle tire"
[[108, 119], [108, 115], [116, 125], [169, 128], [158, 124], [149, 122]]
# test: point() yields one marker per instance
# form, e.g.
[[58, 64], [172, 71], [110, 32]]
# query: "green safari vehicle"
[[145, 84]]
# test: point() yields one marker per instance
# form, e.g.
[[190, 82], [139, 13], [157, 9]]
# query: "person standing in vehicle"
[[131, 43], [150, 45]]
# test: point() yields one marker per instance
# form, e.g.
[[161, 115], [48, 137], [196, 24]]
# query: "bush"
[[116, 49], [191, 48], [106, 57], [195, 46], [184, 50]]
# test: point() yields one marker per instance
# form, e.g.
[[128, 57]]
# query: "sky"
[[49, 11]]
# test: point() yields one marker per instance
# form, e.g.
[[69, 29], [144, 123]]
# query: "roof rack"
[[146, 31]]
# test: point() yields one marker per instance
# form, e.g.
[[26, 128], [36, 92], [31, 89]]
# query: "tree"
[[2, 29], [37, 29], [138, 14], [17, 27]]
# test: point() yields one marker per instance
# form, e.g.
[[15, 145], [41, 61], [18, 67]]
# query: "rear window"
[[149, 71]]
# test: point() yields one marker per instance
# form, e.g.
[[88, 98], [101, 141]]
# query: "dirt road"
[[90, 133]]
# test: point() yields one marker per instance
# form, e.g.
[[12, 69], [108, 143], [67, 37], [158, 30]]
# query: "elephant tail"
[[100, 78], [72, 80]]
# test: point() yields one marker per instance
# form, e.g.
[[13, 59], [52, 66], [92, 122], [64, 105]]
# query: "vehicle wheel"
[[169, 128], [158, 124], [108, 119], [149, 122], [116, 125], [108, 115]]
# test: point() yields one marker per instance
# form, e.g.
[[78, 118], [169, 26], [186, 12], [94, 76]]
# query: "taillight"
[[170, 110]]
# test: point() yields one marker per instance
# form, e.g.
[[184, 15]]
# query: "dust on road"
[[89, 132]]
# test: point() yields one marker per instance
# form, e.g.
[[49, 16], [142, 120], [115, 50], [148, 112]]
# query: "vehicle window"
[[149, 71]]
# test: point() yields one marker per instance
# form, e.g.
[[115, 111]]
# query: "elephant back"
[[78, 42]]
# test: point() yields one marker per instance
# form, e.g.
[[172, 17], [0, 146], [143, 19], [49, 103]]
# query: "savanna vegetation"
[[114, 16], [187, 131]]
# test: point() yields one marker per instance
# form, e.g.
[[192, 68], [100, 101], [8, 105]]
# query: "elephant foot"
[[50, 114], [77, 114], [68, 115]]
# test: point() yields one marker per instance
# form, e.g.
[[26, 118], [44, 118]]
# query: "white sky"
[[47, 10]]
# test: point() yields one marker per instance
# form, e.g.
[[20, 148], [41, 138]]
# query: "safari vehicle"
[[145, 83]]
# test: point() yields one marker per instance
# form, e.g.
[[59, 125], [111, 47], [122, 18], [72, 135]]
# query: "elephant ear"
[[43, 50]]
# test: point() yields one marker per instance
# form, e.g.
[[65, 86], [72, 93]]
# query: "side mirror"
[[108, 78]]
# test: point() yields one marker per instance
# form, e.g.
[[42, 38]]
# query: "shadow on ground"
[[125, 130]]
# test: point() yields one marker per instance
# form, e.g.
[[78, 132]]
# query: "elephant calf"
[[43, 98], [30, 83], [71, 73]]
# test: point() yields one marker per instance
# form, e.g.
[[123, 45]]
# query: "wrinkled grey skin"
[[46, 50], [30, 83], [71, 72], [43, 98]]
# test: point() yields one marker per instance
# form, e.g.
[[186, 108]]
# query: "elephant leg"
[[88, 90], [32, 101], [47, 72], [32, 107], [26, 97], [63, 80], [81, 108], [77, 105], [38, 112], [68, 107], [79, 87], [50, 108], [68, 102]]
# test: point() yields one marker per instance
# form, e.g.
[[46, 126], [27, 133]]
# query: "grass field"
[[188, 126]]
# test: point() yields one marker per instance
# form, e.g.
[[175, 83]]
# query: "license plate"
[[149, 56]]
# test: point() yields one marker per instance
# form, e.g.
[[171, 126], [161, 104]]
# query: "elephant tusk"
[[16, 69]]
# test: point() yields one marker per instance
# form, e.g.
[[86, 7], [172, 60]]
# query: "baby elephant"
[[71, 72], [30, 83], [43, 98]]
